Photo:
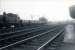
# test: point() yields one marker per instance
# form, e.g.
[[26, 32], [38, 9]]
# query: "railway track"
[[53, 43], [24, 39], [17, 28], [22, 29], [11, 35], [18, 33], [4, 41]]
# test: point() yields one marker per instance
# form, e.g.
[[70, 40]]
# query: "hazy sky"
[[53, 10]]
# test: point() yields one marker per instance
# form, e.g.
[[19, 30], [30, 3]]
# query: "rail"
[[59, 33]]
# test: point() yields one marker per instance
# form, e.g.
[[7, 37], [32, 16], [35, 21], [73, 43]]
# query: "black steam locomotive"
[[8, 19]]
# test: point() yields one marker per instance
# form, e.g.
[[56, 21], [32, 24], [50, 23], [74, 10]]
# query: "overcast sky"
[[53, 10]]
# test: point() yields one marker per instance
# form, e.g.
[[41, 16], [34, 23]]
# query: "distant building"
[[42, 20]]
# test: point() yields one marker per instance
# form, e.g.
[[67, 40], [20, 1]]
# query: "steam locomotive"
[[8, 19]]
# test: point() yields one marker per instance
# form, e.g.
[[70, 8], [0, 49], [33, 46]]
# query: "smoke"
[[69, 33]]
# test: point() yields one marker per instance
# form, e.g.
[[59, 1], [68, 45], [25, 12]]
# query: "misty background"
[[53, 10]]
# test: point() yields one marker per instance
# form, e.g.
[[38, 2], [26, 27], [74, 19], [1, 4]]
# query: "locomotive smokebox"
[[72, 11]]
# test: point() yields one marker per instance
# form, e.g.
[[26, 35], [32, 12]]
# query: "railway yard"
[[37, 25], [38, 37], [34, 36]]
